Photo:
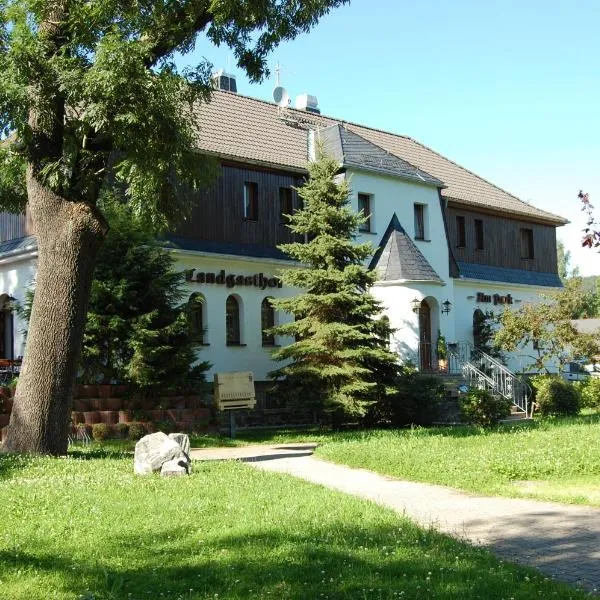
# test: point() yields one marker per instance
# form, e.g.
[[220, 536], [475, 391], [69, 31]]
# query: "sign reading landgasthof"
[[231, 280]]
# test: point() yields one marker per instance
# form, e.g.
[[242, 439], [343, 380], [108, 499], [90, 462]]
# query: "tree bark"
[[69, 235]]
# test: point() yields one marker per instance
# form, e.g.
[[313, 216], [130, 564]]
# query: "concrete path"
[[562, 541]]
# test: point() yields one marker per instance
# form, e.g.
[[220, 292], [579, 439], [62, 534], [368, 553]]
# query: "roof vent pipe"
[[311, 145]]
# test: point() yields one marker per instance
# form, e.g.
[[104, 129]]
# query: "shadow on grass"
[[326, 435], [344, 562], [11, 464], [98, 453]]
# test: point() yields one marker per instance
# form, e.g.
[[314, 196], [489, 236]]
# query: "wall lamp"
[[446, 307], [416, 305]]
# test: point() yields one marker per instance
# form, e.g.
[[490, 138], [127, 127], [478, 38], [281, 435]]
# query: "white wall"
[[397, 299], [465, 294], [391, 195], [251, 356], [16, 277]]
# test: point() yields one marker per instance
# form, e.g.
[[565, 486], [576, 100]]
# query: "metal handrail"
[[486, 372]]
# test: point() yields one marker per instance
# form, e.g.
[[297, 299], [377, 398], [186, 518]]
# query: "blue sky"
[[509, 90]]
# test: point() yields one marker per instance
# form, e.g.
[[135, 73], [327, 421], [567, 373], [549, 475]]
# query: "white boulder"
[[153, 450]]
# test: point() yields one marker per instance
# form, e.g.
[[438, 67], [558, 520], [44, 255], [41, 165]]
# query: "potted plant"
[[442, 352]]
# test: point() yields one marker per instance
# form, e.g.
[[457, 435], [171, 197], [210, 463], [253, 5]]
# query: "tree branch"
[[180, 27]]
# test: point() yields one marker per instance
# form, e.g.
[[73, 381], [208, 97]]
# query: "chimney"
[[224, 81], [308, 103]]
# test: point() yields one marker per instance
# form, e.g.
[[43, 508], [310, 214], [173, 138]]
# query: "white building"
[[444, 237]]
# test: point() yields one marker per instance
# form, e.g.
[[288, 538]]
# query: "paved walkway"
[[562, 541]]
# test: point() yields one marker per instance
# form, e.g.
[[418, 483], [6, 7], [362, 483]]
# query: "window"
[[286, 205], [526, 243], [461, 233], [364, 205], [250, 201], [478, 234], [196, 305], [232, 321], [267, 321], [419, 221]]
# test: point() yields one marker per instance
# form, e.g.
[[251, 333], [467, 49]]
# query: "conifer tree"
[[339, 360], [137, 331]]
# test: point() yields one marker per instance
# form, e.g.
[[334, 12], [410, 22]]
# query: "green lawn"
[[86, 527], [552, 459]]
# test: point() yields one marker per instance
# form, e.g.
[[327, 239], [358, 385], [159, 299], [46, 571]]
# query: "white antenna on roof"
[[277, 73]]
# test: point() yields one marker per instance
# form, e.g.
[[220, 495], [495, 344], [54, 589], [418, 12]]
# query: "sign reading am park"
[[231, 280], [496, 298]]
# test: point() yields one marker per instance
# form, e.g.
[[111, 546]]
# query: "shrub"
[[122, 429], [416, 400], [555, 396], [136, 431], [100, 431], [589, 391], [166, 426], [480, 407]]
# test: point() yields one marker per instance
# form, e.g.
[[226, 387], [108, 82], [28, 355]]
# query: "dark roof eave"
[[551, 219], [259, 163]]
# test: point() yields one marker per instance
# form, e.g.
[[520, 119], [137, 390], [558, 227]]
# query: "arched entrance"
[[425, 348], [478, 324]]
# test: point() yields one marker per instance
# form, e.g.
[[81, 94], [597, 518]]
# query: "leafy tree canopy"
[[547, 327], [91, 94], [591, 237], [92, 103]]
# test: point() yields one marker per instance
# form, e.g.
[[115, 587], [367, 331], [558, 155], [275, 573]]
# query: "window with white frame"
[[420, 211], [365, 206]]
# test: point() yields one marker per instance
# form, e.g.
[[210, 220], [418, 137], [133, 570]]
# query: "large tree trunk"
[[69, 235]]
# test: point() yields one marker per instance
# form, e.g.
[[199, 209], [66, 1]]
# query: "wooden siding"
[[502, 242], [13, 226], [218, 214]]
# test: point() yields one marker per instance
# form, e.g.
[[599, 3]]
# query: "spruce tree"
[[339, 361]]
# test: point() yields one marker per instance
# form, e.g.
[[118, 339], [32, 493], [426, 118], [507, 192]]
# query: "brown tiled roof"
[[247, 129]]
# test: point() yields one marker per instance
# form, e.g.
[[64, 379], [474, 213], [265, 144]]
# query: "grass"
[[556, 459], [551, 459], [85, 527]]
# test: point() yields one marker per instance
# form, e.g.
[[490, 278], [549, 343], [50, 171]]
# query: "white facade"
[[250, 354], [391, 195], [17, 274], [216, 277]]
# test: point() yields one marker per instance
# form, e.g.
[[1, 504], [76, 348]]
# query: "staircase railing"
[[485, 372]]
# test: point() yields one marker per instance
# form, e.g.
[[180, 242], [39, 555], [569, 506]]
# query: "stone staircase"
[[471, 367]]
